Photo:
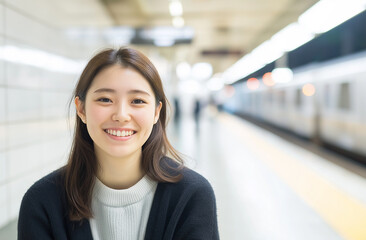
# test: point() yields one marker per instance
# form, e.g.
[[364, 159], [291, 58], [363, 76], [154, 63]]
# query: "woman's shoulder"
[[191, 180]]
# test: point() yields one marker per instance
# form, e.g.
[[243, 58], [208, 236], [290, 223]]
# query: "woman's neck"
[[119, 173]]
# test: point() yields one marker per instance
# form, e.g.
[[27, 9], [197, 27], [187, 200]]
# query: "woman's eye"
[[105, 100], [138, 101]]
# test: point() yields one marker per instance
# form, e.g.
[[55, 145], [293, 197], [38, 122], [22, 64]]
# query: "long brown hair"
[[82, 166]]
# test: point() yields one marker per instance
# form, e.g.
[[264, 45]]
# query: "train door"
[[345, 117]]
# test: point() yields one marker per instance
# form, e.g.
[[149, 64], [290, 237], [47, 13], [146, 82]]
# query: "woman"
[[118, 182]]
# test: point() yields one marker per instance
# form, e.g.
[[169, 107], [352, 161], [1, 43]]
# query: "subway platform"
[[267, 188]]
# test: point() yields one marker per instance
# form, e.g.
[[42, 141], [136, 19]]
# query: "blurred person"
[[197, 113], [119, 182], [176, 110]]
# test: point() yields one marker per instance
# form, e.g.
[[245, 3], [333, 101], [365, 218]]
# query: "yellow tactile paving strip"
[[345, 214]]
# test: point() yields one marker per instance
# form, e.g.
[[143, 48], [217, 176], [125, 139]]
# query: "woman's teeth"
[[118, 133]]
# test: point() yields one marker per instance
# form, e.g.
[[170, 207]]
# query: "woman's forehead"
[[120, 79]]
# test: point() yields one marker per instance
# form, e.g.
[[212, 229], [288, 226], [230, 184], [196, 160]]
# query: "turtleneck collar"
[[119, 198]]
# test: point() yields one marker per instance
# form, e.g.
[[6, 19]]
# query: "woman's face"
[[119, 111]]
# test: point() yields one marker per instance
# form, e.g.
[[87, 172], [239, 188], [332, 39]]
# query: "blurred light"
[[282, 75], [189, 87], [327, 14], [178, 22], [253, 83], [215, 83], [164, 42], [323, 16], [268, 80], [183, 70], [229, 91], [308, 89], [291, 37], [170, 33], [241, 69], [175, 8], [266, 53], [40, 59], [202, 71]]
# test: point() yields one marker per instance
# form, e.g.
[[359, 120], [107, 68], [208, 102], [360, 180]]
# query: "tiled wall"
[[34, 133]]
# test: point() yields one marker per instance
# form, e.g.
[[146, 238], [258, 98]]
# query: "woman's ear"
[[80, 109], [157, 112]]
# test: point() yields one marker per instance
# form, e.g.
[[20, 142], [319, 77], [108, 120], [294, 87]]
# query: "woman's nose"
[[121, 113]]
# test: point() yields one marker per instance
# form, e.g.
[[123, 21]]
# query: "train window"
[[344, 96], [298, 97]]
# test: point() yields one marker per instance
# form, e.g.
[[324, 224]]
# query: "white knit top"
[[121, 214]]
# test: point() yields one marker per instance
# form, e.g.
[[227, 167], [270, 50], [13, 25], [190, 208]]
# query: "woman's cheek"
[[145, 118], [98, 113]]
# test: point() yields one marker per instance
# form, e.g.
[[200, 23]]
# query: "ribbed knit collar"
[[119, 198]]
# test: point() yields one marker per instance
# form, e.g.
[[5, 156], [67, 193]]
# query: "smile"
[[119, 133]]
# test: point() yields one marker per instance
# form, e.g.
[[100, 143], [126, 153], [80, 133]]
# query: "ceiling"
[[224, 30]]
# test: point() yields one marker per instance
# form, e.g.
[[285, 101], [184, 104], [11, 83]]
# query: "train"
[[325, 102]]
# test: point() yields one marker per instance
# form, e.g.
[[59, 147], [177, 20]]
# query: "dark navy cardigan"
[[183, 210]]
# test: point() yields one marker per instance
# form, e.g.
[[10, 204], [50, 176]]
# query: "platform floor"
[[267, 188]]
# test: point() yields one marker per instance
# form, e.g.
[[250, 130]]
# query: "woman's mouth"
[[119, 133]]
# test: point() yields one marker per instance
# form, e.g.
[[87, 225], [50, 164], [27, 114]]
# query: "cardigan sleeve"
[[33, 222], [198, 220]]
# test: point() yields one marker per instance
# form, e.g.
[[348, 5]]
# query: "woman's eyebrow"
[[134, 91], [101, 90], [110, 90]]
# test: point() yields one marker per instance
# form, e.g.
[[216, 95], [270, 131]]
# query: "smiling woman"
[[119, 182]]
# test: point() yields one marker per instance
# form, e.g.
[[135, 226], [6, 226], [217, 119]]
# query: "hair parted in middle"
[[82, 166]]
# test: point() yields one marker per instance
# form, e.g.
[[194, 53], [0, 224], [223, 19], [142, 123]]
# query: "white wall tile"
[[28, 31], [4, 215], [2, 18], [23, 104], [54, 129], [59, 81], [56, 151], [36, 34], [54, 104], [23, 133], [2, 105], [3, 134], [23, 160], [2, 69], [20, 75], [2, 63], [3, 167]]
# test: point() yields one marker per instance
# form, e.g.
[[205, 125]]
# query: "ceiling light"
[[327, 14], [323, 16], [40, 59], [175, 8], [183, 70], [291, 37], [202, 71], [164, 42]]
